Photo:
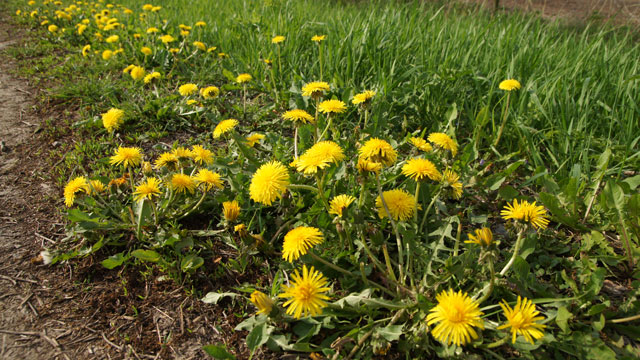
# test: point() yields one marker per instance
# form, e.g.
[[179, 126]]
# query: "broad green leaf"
[[563, 317], [613, 196], [214, 297], [257, 337], [114, 261], [146, 255], [390, 332], [218, 352], [191, 262]]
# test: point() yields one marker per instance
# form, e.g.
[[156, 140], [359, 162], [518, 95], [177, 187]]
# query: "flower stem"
[[498, 343], [456, 247], [320, 50], [424, 215], [415, 207], [504, 120], [295, 142], [395, 229], [204, 194], [491, 282], [329, 121], [516, 250], [333, 266], [302, 187]]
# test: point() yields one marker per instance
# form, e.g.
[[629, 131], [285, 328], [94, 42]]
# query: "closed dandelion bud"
[[263, 302], [147, 169], [230, 210], [339, 227]]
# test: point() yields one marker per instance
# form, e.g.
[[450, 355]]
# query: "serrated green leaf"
[[390, 332]]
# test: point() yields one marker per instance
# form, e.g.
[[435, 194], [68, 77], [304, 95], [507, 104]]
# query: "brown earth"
[[82, 311]]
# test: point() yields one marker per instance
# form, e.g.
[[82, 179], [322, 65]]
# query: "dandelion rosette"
[[147, 190], [400, 203], [319, 156], [528, 213], [306, 294], [77, 185], [456, 315], [126, 156], [263, 302], [332, 107], [482, 237], [269, 183], [378, 151], [208, 179], [522, 320], [443, 141], [224, 127], [420, 169], [298, 241], [298, 117], [509, 85], [339, 203], [182, 183]]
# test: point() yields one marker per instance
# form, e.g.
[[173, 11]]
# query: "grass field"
[[539, 174]]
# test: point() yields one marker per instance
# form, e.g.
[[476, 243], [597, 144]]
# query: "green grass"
[[580, 86]]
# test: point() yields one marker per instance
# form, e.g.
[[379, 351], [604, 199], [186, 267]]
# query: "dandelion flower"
[[208, 179], [277, 39], [149, 78], [452, 180], [315, 89], [419, 169], [306, 294], [253, 139], [86, 50], [401, 204], [318, 38], [509, 85], [522, 320], [526, 212], [243, 78], [421, 144], [111, 39], [126, 156], [73, 187], [107, 54], [147, 190], [146, 50], [166, 39], [112, 119], [339, 203], [188, 89], [96, 187], [152, 30], [269, 182], [363, 97], [298, 117], [379, 151], [230, 210], [298, 241], [166, 159], [456, 316], [53, 28], [147, 7], [200, 45], [201, 155], [332, 107], [263, 302], [182, 183], [224, 127], [174, 50], [366, 166], [137, 73], [200, 24], [443, 141], [319, 156], [209, 92], [128, 69], [482, 237]]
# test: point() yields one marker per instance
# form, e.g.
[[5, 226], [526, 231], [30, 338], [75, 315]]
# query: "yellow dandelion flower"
[[363, 97], [209, 92], [174, 50], [200, 45], [339, 203], [243, 78], [522, 320], [421, 144], [277, 39], [209, 179], [86, 50], [81, 29], [212, 49], [128, 69], [146, 50], [230, 210], [166, 159], [379, 151], [126, 156], [269, 182], [77, 185], [201, 155], [200, 24], [96, 187], [509, 85], [188, 89], [147, 169], [401, 204], [181, 152], [420, 169], [152, 30], [298, 241], [224, 127], [182, 183], [298, 116], [332, 107], [315, 89], [319, 156], [482, 237], [224, 55], [253, 139], [443, 141], [318, 38], [112, 119], [53, 28], [137, 73], [166, 39], [112, 39], [456, 316], [107, 54], [526, 212], [306, 293], [366, 166], [147, 7], [147, 190], [263, 302], [149, 78], [452, 180]]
